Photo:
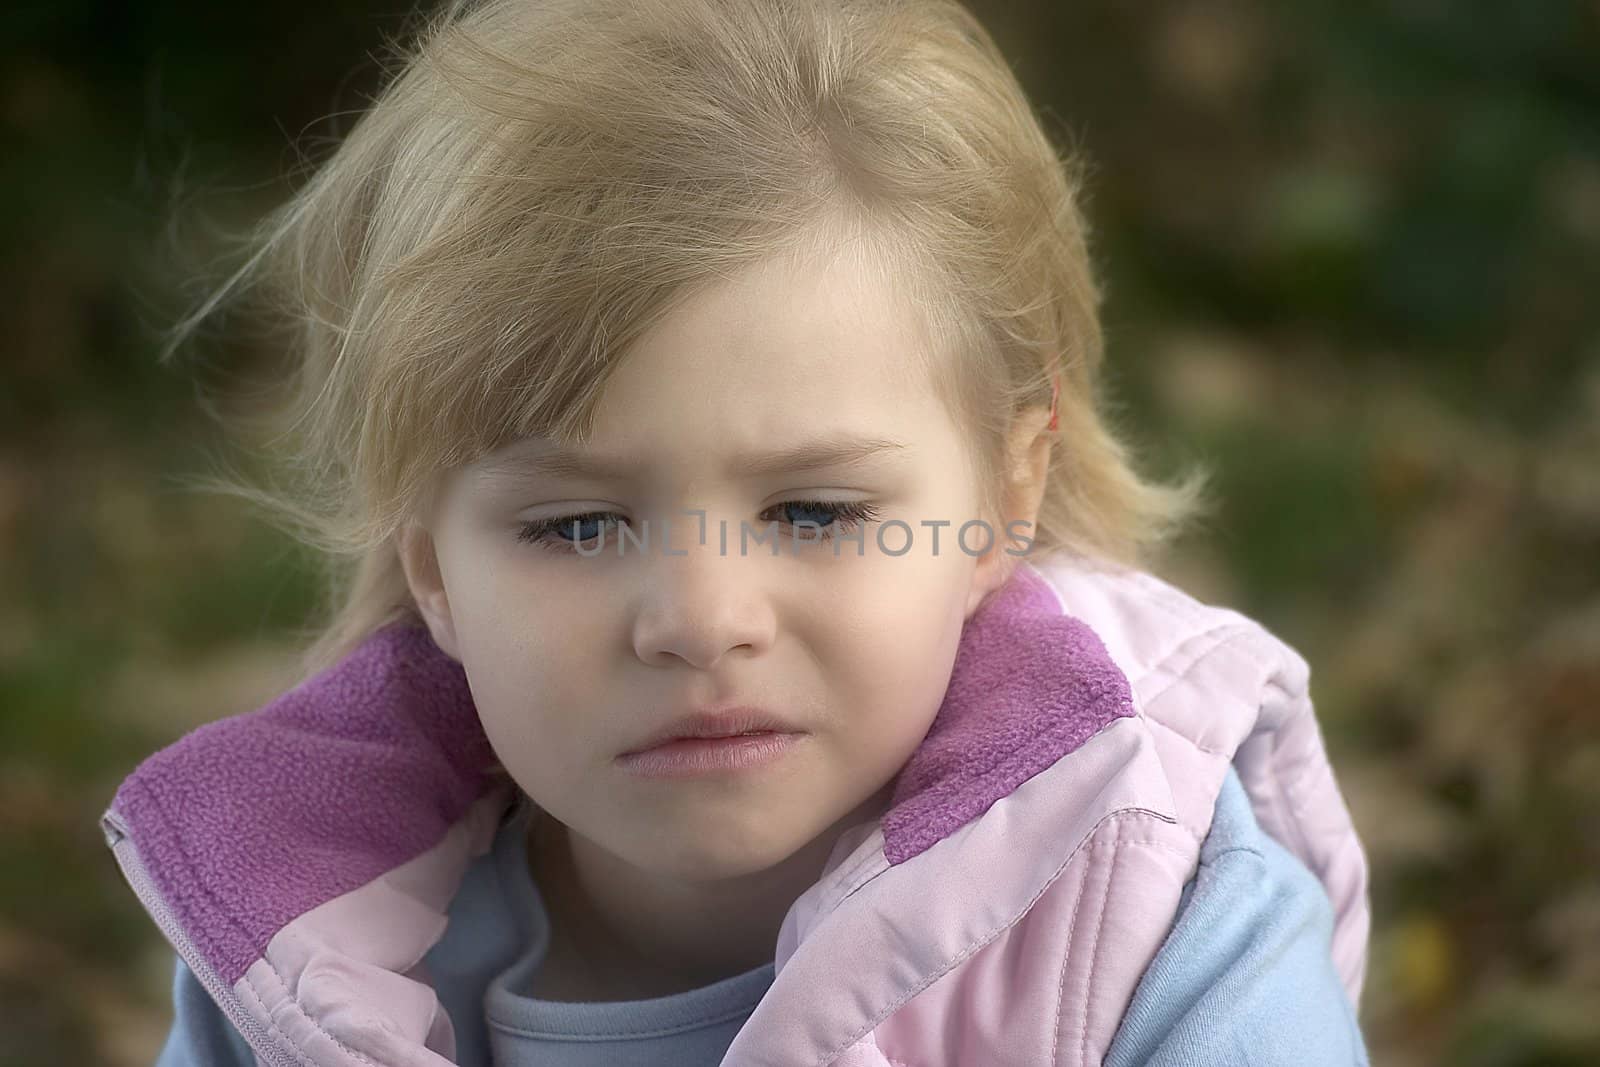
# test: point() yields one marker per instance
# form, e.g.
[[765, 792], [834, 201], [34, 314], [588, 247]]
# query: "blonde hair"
[[542, 180]]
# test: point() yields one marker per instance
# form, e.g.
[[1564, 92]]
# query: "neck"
[[623, 930]]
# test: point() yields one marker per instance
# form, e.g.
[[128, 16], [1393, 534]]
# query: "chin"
[[702, 854]]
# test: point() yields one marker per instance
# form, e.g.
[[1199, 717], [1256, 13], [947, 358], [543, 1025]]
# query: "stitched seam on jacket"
[[1295, 786], [1094, 952], [1163, 666], [1168, 598], [1289, 786], [1162, 846], [1185, 738], [1287, 790], [267, 1023], [967, 950], [1282, 798], [1066, 956], [1162, 597], [299, 1056], [294, 999], [1116, 843], [1128, 817]]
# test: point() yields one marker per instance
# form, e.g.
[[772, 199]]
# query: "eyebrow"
[[804, 456]]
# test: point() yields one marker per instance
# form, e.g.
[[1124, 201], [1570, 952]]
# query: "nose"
[[698, 606]]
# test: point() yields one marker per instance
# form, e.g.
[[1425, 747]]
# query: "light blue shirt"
[[1243, 978]]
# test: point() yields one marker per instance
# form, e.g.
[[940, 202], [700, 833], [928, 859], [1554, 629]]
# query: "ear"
[[420, 561], [1028, 453]]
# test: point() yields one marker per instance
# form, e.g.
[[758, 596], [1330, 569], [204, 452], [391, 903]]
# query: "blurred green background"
[[1353, 259]]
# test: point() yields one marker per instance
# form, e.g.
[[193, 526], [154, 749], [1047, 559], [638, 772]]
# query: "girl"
[[745, 656]]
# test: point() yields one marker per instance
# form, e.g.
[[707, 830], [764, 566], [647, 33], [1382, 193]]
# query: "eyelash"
[[847, 514]]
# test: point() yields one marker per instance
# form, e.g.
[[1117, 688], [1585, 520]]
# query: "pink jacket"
[[301, 858]]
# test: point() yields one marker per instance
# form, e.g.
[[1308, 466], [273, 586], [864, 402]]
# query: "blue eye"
[[562, 533], [839, 515]]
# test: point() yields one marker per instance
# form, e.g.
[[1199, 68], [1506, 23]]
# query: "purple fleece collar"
[[252, 820], [1030, 685]]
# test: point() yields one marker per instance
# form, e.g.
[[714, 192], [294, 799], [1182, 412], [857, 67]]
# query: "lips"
[[722, 722]]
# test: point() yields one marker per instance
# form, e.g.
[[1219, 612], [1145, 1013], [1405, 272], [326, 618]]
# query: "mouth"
[[693, 757], [712, 725]]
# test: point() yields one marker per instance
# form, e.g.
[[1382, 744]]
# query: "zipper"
[[133, 869]]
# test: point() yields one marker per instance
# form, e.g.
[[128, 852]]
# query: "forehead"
[[812, 453], [790, 340], [754, 373]]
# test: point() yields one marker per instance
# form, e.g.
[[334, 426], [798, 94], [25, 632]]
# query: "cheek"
[[891, 655], [516, 611], [532, 657]]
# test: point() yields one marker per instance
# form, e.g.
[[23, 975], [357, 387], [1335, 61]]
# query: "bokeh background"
[[1352, 253]]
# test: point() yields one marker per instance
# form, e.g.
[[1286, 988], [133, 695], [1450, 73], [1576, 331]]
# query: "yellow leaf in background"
[[1423, 959]]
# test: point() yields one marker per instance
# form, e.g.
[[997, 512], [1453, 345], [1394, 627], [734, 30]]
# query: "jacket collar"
[[369, 766], [1038, 742]]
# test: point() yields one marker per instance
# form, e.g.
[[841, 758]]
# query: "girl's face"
[[574, 659]]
